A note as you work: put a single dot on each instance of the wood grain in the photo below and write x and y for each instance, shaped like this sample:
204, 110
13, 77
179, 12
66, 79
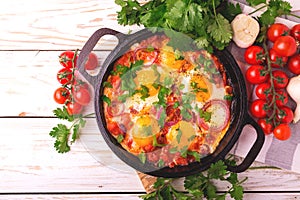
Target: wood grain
32, 35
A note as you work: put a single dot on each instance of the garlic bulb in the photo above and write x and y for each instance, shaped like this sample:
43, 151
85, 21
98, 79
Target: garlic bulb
294, 92
245, 30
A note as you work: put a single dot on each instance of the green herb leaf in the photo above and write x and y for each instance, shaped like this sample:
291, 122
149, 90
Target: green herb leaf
142, 157
220, 30
106, 100
61, 133
256, 2
63, 114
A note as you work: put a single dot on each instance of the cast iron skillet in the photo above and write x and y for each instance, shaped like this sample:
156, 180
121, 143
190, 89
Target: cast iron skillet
239, 109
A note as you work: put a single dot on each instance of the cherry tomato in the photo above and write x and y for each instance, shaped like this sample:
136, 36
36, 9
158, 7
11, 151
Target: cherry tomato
253, 55
266, 126
115, 109
79, 84
295, 32
277, 60
285, 114
115, 81
282, 132
125, 60
285, 46
276, 30
114, 128
61, 95
148, 55
74, 108
82, 96
64, 76
280, 79
92, 62
255, 74
257, 108
263, 90
281, 97
294, 64
65, 59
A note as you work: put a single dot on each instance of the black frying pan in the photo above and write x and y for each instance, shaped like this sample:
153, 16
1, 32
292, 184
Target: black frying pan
239, 109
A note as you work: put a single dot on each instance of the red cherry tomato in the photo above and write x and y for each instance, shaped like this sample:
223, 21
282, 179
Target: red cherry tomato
82, 96
285, 114
282, 132
294, 64
280, 79
263, 90
92, 62
285, 46
281, 97
148, 55
114, 128
115, 81
277, 60
276, 30
74, 108
125, 60
61, 95
266, 126
258, 108
253, 55
79, 84
295, 32
64, 76
256, 74
65, 59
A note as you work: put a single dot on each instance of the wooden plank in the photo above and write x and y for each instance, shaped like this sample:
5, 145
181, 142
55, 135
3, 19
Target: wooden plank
28, 80
29, 163
256, 196
55, 24
72, 196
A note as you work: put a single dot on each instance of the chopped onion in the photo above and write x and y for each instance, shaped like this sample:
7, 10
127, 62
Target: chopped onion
148, 56
222, 105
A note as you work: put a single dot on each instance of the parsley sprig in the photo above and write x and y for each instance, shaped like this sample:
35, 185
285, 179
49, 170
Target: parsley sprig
203, 21
67, 135
201, 185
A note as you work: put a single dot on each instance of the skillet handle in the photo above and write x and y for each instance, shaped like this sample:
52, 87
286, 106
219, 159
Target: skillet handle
89, 46
255, 149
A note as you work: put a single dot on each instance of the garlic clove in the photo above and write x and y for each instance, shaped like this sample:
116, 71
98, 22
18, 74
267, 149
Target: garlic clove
245, 30
294, 92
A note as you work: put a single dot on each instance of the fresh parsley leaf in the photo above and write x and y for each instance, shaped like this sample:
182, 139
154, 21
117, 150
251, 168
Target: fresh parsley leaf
178, 136
120, 138
230, 10
220, 30
142, 157
255, 2
106, 100
62, 113
64, 135
201, 185
200, 20
107, 84
144, 91
61, 133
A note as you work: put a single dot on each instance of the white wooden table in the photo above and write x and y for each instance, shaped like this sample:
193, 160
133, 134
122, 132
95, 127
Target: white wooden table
32, 35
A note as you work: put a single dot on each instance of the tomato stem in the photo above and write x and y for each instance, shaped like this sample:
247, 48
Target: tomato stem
272, 106
258, 9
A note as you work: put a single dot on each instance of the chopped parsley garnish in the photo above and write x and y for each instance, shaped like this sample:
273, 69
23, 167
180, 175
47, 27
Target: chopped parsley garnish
144, 91
196, 88
106, 100
178, 136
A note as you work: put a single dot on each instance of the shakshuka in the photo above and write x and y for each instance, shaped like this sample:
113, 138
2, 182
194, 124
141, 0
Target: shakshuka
166, 106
